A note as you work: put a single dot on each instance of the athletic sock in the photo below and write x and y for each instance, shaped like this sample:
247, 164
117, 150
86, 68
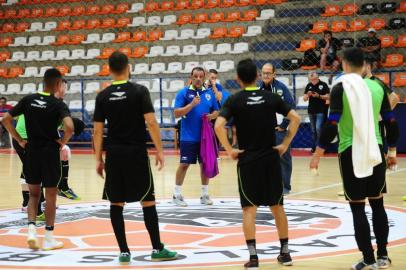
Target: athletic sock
117, 221
151, 222
284, 246
380, 225
362, 232
63, 184
252, 249
178, 190
205, 190
26, 197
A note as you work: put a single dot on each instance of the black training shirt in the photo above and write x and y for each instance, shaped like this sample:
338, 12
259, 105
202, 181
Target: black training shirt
316, 105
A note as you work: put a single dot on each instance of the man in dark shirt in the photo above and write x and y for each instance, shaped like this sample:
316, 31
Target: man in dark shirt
4, 107
127, 107
43, 114
371, 46
259, 171
317, 93
328, 47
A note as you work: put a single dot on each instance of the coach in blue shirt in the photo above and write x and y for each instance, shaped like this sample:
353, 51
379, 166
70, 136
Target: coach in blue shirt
191, 103
269, 83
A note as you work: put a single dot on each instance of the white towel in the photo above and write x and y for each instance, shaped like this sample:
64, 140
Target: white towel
365, 150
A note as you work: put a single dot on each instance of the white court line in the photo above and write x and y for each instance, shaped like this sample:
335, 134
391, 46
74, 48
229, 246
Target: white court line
336, 184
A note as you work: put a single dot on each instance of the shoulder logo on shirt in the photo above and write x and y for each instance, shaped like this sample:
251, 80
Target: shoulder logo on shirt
208, 97
279, 92
191, 96
320, 86
255, 100
39, 104
118, 96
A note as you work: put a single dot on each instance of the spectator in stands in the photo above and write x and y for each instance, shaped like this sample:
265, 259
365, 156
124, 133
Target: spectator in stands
371, 45
269, 83
4, 107
191, 103
317, 93
328, 47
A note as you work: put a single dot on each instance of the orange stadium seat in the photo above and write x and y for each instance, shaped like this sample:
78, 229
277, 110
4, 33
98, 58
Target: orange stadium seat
349, 9
386, 41
249, 15
184, 19
4, 42
200, 18
197, 4
150, 7
7, 28
93, 23
14, 72
10, 14
219, 32
182, 5
106, 9
402, 7
154, 35
377, 23
401, 42
232, 16
276, 1
243, 3
357, 25
306, 44
138, 36
330, 11
37, 12
105, 71
92, 10
122, 37
3, 72
51, 12
393, 60
339, 26
78, 24
107, 23
24, 13
1, 14
122, 22
212, 3
76, 39
63, 69
106, 52
260, 2
227, 3
21, 27
216, 17
126, 51
400, 79
139, 52
308, 67
4, 56
65, 11
167, 5
61, 40
383, 77
63, 25
236, 31
319, 27
78, 10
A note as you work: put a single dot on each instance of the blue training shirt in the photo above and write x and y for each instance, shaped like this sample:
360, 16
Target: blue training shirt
191, 123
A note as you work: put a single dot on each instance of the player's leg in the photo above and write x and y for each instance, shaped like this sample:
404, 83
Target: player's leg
188, 155
63, 186
204, 197
35, 191
249, 216
281, 222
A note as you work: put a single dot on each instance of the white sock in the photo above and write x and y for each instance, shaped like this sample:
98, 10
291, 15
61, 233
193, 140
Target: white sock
205, 190
49, 234
178, 190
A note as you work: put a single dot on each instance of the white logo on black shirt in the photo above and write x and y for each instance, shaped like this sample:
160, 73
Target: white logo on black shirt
255, 100
39, 104
118, 96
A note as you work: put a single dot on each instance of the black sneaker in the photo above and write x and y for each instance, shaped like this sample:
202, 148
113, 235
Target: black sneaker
363, 266
252, 264
285, 259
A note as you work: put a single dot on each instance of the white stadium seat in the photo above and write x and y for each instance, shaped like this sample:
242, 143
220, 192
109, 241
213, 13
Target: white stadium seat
186, 34
240, 47
170, 35
226, 65
107, 37
91, 70
253, 30
29, 88
136, 7
33, 41
175, 85
31, 56
75, 104
77, 54
49, 26
61, 55
168, 19
153, 21
92, 53
76, 70
209, 65
29, 72
202, 33
19, 41
35, 26
157, 68
90, 105
155, 51
16, 56
223, 48
75, 87
137, 21
48, 40
266, 14
92, 87
189, 66
47, 55
174, 67
205, 49
141, 68
188, 50
172, 50
13, 88
155, 88
92, 38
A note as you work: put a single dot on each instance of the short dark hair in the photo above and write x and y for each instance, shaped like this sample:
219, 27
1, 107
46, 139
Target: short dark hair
354, 56
212, 70
118, 62
51, 77
4, 98
64, 80
325, 32
369, 61
198, 69
247, 71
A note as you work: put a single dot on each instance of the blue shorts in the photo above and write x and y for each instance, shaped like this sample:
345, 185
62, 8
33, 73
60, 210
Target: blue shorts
189, 152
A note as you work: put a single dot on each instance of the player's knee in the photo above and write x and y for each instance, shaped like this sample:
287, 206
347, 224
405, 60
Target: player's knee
184, 166
117, 204
147, 203
376, 198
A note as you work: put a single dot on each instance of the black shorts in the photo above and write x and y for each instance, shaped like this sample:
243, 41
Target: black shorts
361, 188
42, 165
128, 175
260, 182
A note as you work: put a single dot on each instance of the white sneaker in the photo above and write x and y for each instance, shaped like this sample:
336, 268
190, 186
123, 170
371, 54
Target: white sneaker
383, 262
205, 199
50, 243
179, 201
32, 239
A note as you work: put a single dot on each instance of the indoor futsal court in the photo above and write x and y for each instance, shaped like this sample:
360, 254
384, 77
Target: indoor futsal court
297, 50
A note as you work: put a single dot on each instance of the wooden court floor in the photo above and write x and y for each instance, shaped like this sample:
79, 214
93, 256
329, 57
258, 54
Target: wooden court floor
88, 185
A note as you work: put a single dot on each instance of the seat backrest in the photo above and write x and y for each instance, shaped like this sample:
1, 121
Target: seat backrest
29, 88
182, 4
331, 9
237, 30
203, 32
47, 54
227, 64
62, 54
92, 86
126, 51
18, 55
20, 40
154, 20
158, 67
122, 22
51, 12
142, 67
108, 51
93, 52
93, 37
145, 83
206, 48
190, 49
33, 55
377, 23
31, 71
93, 69
34, 40
156, 50
107, 9
65, 11
220, 31
350, 8
75, 87
77, 69
223, 47
93, 23
176, 85
78, 10
63, 69
48, 39
209, 65
394, 58
169, 19
254, 29
36, 26
386, 41
171, 33
173, 49
190, 65
185, 18
155, 35
92, 9
175, 66
187, 33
